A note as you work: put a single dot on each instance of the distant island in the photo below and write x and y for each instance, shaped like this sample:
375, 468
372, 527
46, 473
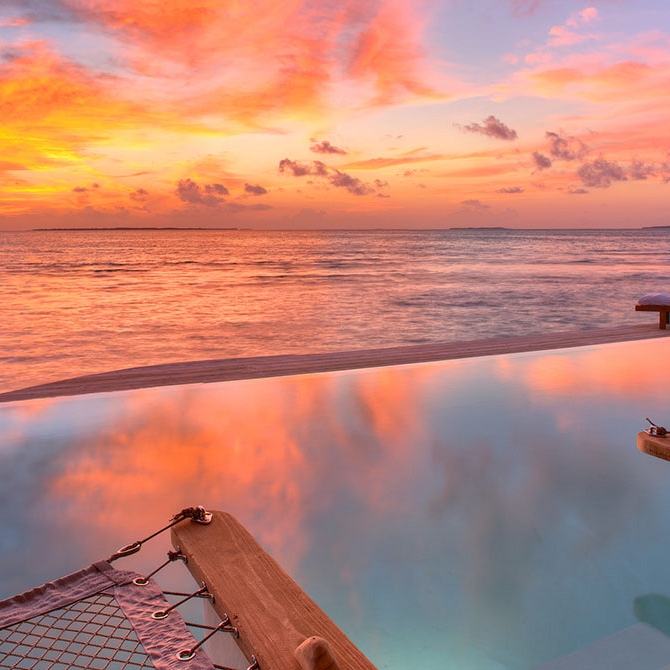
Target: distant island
102, 228
478, 228
653, 227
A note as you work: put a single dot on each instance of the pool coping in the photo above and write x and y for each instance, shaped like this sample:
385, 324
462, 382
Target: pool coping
231, 369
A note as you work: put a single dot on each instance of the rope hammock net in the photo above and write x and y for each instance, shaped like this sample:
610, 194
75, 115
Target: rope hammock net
105, 619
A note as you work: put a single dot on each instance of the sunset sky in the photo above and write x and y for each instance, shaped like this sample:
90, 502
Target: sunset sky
322, 114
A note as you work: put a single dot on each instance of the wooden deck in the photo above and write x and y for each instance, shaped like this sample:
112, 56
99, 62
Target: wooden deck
231, 369
273, 615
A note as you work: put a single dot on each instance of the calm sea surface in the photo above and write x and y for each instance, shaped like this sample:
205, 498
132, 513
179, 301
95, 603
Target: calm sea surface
78, 302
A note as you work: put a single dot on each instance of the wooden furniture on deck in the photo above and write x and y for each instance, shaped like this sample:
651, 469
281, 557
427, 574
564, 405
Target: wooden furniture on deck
663, 313
654, 445
278, 623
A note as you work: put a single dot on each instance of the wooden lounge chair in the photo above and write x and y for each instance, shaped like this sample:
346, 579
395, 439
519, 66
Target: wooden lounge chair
656, 302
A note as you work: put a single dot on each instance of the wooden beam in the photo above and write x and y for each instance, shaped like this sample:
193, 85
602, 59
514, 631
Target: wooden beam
654, 445
273, 614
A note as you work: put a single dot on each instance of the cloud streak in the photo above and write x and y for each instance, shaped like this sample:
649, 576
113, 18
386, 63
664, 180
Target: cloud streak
541, 161
600, 173
565, 148
280, 55
298, 169
255, 189
492, 128
325, 147
352, 184
209, 195
335, 178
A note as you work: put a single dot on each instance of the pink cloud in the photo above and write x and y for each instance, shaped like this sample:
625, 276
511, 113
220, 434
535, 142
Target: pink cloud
587, 15
563, 36
510, 58
492, 128
526, 7
567, 34
14, 22
277, 56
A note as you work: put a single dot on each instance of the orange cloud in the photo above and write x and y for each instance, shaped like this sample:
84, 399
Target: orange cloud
55, 115
589, 79
488, 170
51, 109
387, 52
37, 83
268, 56
380, 163
14, 22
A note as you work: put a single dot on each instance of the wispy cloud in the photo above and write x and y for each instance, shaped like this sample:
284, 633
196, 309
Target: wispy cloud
298, 169
334, 177
492, 128
541, 161
569, 34
526, 7
280, 55
475, 204
236, 207
139, 195
600, 173
638, 171
14, 22
388, 54
391, 161
325, 147
352, 184
192, 193
565, 148
255, 189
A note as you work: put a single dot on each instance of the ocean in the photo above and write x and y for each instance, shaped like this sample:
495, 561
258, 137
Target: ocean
86, 301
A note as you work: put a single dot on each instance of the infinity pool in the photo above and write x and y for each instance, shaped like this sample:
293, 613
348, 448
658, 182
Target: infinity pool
488, 513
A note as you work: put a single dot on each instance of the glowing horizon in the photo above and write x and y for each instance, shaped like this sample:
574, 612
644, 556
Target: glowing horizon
514, 113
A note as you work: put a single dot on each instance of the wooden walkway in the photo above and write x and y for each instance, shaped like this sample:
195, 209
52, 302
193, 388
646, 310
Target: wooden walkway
199, 372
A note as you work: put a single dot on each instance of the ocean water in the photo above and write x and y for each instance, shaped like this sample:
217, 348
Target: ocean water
79, 302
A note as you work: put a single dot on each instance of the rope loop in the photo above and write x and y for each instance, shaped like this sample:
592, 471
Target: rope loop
172, 556
202, 592
225, 626
198, 514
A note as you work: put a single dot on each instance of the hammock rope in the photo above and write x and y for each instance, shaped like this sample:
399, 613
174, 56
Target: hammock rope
103, 618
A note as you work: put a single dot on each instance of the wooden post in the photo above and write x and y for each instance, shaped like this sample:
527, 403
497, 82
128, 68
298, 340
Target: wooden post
273, 614
315, 654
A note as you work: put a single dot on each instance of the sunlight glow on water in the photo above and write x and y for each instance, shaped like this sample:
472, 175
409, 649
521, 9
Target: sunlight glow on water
465, 515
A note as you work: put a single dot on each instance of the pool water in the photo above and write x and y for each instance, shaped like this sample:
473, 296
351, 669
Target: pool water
488, 513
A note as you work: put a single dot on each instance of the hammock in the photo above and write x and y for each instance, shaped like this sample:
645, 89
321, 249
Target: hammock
102, 618
98, 617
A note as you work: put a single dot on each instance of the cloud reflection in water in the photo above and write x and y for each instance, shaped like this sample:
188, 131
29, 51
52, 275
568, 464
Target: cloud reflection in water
493, 512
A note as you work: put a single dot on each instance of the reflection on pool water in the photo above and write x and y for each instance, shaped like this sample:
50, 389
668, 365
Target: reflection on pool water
474, 514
